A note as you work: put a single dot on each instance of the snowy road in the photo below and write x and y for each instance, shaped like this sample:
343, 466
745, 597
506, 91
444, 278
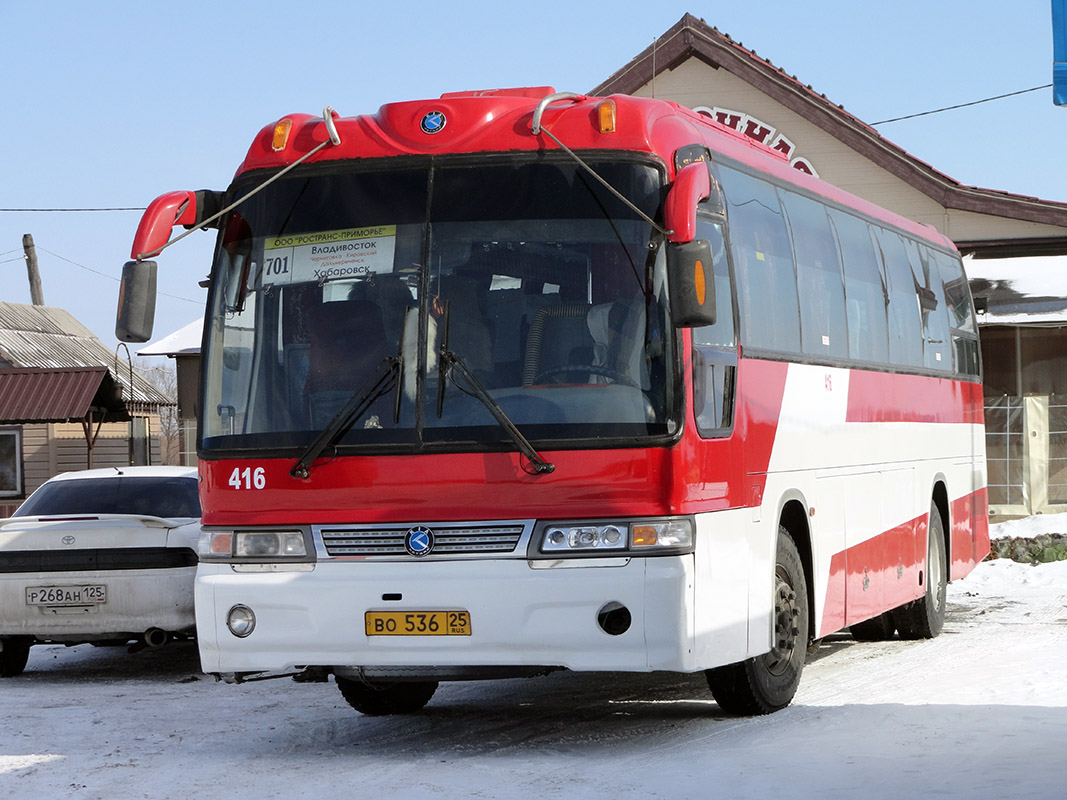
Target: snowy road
980, 712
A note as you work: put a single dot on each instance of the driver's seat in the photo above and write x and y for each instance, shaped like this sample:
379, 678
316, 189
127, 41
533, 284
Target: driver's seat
558, 337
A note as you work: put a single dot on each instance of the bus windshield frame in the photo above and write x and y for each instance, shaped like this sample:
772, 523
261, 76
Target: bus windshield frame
351, 279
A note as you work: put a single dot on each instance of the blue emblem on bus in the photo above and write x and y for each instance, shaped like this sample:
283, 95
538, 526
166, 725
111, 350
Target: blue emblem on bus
433, 122
419, 541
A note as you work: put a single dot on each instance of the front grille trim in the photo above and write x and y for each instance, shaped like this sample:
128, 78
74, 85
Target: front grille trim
462, 540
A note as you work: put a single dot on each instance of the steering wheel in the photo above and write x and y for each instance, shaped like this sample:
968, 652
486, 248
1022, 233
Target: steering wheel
589, 369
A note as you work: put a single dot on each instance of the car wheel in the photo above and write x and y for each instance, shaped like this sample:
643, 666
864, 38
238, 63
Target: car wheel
14, 652
384, 698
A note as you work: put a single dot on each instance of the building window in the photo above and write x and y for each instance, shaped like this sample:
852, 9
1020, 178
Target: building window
11, 462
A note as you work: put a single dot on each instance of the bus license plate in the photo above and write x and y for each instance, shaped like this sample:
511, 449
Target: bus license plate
83, 595
418, 623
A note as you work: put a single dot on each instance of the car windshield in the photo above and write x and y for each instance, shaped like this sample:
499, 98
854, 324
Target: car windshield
333, 287
156, 497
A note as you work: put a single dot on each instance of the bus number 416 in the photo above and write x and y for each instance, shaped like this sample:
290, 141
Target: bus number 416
248, 478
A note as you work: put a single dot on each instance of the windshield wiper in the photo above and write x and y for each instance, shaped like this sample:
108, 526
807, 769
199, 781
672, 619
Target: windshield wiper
448, 362
380, 383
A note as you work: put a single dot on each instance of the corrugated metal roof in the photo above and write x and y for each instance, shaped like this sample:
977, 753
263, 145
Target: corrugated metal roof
55, 395
47, 337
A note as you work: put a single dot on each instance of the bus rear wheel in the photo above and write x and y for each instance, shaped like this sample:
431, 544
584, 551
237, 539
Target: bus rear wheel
768, 682
924, 618
379, 699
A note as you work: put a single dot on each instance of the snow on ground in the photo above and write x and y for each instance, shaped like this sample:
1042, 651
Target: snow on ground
979, 712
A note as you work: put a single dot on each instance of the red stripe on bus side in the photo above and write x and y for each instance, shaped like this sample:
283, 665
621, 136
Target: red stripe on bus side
888, 397
883, 572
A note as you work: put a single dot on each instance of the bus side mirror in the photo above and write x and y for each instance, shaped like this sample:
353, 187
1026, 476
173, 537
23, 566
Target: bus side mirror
691, 282
137, 302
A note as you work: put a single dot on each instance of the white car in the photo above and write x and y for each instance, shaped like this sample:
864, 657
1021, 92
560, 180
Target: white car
102, 556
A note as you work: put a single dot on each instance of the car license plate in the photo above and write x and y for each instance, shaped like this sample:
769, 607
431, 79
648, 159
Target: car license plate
418, 623
81, 595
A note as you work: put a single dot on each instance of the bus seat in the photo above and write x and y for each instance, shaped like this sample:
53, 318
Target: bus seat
348, 342
618, 333
559, 336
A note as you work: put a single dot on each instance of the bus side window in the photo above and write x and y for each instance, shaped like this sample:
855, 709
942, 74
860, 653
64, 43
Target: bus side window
931, 291
715, 346
961, 322
819, 282
763, 264
865, 292
905, 324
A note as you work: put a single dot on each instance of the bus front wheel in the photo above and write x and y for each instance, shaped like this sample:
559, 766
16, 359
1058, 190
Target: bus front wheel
768, 682
380, 699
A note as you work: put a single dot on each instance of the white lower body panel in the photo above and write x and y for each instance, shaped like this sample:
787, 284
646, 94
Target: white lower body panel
522, 614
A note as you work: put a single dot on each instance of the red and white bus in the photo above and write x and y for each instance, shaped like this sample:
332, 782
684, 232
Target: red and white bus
512, 381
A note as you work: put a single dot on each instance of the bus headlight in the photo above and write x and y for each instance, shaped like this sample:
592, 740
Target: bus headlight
675, 533
269, 544
630, 537
609, 536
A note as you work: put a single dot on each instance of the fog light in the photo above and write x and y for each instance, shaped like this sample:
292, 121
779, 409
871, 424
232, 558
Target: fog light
241, 621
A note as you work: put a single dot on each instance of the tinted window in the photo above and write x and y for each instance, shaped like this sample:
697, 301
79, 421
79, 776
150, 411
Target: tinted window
937, 352
962, 330
821, 289
865, 296
722, 333
763, 264
715, 346
905, 324
157, 497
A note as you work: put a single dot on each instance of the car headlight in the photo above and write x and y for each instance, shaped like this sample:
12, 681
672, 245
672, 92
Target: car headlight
632, 537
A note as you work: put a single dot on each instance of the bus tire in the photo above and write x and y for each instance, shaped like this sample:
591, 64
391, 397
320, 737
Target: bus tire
14, 653
924, 618
768, 682
876, 629
380, 699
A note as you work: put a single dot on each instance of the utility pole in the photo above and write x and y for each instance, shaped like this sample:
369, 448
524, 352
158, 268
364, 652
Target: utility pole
36, 293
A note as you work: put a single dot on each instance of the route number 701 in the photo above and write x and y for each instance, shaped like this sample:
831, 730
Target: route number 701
248, 478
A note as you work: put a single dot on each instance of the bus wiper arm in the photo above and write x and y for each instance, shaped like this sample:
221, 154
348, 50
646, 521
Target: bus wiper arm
378, 384
451, 362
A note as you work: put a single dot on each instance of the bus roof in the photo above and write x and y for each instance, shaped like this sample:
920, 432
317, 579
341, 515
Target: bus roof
499, 121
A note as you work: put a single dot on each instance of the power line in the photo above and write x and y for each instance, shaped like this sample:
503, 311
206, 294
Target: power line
111, 277
962, 105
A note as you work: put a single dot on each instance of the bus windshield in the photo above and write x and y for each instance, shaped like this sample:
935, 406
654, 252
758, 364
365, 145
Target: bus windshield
343, 288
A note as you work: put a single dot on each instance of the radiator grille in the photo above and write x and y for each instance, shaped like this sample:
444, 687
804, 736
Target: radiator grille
457, 540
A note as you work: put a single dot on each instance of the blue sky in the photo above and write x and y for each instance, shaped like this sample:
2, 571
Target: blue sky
110, 104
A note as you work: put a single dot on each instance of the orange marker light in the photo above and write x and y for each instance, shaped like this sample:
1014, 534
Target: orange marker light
606, 116
698, 282
281, 134
644, 536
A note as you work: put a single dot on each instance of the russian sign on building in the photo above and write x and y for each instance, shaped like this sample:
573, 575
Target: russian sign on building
761, 132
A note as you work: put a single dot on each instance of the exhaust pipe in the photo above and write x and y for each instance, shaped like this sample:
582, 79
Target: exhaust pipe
156, 637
